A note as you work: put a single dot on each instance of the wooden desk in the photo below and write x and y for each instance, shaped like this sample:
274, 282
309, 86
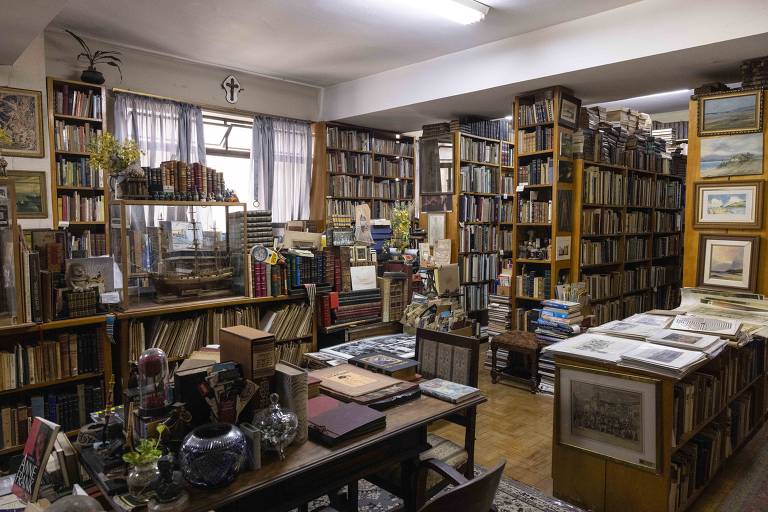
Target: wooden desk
311, 470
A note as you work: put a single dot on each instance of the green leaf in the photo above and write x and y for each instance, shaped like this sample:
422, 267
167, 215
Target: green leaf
81, 41
114, 64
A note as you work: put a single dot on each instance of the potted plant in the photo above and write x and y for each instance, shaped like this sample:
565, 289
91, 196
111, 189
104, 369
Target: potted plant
4, 140
143, 460
108, 57
119, 161
401, 227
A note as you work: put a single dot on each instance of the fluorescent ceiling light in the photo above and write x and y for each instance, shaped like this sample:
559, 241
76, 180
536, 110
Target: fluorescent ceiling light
508, 118
464, 12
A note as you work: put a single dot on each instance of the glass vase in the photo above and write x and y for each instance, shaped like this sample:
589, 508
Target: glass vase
140, 478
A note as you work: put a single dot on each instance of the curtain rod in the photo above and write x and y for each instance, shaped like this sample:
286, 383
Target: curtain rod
231, 110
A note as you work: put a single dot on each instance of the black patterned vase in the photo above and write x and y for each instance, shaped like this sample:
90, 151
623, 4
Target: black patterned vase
212, 454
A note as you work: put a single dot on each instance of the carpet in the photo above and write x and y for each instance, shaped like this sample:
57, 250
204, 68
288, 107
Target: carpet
747, 476
512, 496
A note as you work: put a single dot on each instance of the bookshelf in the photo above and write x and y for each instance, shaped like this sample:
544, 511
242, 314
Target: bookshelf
717, 425
354, 165
77, 113
544, 189
628, 239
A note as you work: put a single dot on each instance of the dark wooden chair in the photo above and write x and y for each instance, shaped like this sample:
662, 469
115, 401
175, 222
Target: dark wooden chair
521, 345
455, 358
467, 495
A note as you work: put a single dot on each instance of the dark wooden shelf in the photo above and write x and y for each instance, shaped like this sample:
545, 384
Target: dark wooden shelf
51, 383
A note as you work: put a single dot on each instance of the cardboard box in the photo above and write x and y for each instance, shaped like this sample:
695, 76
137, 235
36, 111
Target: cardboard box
252, 348
505, 291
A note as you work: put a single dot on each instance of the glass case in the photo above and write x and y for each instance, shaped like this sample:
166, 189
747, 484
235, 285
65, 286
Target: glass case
10, 297
177, 251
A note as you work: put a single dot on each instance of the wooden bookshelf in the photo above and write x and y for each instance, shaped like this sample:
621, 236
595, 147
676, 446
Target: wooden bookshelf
548, 187
611, 485
356, 156
59, 154
662, 273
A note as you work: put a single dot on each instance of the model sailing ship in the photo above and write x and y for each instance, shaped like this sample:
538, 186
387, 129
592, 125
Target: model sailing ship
185, 269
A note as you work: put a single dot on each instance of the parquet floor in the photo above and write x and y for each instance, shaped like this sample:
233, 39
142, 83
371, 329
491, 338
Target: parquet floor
517, 426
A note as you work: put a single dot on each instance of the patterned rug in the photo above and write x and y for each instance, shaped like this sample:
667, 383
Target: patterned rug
748, 474
512, 496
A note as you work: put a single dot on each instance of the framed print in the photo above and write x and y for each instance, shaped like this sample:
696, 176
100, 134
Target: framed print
729, 204
569, 111
31, 195
21, 117
728, 262
731, 155
435, 228
610, 414
436, 203
731, 113
563, 248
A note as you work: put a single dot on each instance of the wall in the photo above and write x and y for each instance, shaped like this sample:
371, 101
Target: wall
186, 81
28, 72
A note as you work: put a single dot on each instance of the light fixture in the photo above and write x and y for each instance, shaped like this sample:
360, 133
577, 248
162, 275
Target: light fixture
464, 12
508, 118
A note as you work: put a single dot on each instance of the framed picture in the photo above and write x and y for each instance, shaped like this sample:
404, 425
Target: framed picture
731, 113
435, 228
727, 261
563, 248
729, 204
31, 195
733, 155
569, 111
610, 414
436, 203
21, 117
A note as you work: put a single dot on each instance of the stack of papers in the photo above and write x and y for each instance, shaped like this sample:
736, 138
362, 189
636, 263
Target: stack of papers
710, 345
596, 347
625, 329
707, 325
669, 361
660, 321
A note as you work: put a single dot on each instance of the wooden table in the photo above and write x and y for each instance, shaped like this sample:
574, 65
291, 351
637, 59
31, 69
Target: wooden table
311, 470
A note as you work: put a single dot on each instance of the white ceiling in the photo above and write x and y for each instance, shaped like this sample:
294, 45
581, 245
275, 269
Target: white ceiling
22, 21
318, 42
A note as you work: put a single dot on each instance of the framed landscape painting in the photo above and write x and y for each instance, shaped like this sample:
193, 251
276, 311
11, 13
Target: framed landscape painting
569, 111
733, 155
21, 117
610, 414
31, 195
731, 113
729, 204
728, 262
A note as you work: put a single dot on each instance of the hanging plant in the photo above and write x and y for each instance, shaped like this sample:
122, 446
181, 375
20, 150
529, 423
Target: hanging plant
108, 57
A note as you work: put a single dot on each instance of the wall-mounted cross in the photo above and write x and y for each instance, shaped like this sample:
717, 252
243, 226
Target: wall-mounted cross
231, 88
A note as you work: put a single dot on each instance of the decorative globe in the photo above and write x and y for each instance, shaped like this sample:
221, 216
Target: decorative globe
212, 455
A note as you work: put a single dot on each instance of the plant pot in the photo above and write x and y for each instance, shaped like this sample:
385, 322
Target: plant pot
92, 76
141, 477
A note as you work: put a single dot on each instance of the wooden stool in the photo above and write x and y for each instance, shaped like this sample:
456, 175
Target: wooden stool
518, 342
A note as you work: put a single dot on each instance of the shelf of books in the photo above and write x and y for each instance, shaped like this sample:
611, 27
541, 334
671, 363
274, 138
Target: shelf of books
628, 239
540, 255
355, 165
77, 115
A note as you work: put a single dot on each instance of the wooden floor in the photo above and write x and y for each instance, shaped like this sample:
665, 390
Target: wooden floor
517, 426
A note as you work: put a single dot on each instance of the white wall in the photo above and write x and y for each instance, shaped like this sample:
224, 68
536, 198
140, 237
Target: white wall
28, 72
186, 81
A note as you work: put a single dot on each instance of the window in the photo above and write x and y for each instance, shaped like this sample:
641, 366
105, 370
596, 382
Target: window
228, 140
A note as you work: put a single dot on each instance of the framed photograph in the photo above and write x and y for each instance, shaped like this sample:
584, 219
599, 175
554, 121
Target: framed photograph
729, 204
435, 228
21, 116
732, 155
610, 414
436, 203
728, 262
569, 111
31, 194
563, 248
731, 113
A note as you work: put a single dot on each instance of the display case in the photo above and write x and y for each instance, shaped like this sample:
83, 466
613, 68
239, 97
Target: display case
177, 251
10, 265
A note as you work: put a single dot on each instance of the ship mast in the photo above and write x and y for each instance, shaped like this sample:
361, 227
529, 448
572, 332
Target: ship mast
195, 241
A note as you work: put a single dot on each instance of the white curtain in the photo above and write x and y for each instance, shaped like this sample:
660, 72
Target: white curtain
281, 160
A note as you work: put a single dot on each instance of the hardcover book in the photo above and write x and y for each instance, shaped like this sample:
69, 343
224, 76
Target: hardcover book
37, 449
387, 364
351, 381
448, 391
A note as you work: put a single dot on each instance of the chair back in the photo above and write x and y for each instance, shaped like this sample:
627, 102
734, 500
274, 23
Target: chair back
474, 496
448, 356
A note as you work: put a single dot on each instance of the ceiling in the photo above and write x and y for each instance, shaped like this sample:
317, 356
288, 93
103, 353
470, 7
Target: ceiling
21, 24
317, 42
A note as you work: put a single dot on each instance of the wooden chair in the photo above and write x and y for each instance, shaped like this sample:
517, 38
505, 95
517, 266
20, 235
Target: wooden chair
455, 358
523, 345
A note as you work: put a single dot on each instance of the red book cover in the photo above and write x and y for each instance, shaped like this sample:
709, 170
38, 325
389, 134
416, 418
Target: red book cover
37, 449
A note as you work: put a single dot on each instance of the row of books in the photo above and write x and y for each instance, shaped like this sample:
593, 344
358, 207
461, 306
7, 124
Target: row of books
86, 244
639, 191
350, 186
604, 187
392, 147
540, 111
538, 171
289, 322
474, 238
669, 193
252, 227
474, 297
478, 267
535, 284
479, 151
292, 351
664, 246
400, 168
667, 297
77, 208
599, 252
386, 209
637, 248
478, 209
667, 221
74, 102
69, 408
508, 185
473, 178
184, 182
74, 137
538, 139
47, 361
534, 211
600, 221
507, 212
500, 311
77, 173
341, 162
342, 307
341, 138
492, 129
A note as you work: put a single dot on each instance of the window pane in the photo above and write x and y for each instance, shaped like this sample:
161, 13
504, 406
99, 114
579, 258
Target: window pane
213, 135
236, 175
240, 138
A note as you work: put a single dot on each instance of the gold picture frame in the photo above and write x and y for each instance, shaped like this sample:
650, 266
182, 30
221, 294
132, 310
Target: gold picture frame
31, 194
730, 113
645, 451
21, 116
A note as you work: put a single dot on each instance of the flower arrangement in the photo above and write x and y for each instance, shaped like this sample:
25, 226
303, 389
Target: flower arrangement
112, 156
401, 227
147, 451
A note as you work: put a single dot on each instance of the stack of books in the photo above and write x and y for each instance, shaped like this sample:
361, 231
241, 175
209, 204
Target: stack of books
500, 309
558, 320
257, 226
